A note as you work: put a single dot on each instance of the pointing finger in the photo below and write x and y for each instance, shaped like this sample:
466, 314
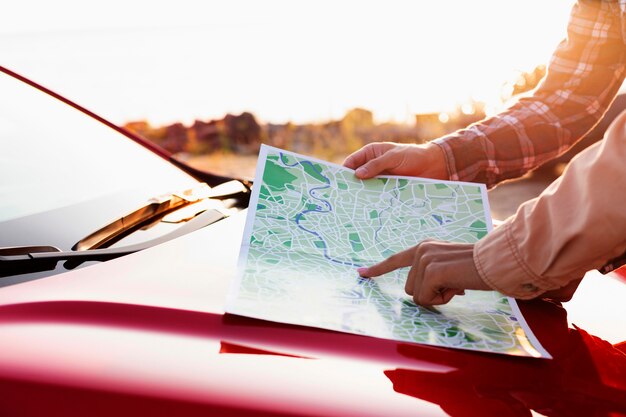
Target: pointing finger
399, 260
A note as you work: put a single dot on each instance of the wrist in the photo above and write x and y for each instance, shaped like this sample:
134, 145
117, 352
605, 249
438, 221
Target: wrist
437, 162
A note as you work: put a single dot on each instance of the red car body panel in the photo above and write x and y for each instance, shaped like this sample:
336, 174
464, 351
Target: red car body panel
146, 335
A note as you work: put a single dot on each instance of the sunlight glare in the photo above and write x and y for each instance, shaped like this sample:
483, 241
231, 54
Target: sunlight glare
281, 60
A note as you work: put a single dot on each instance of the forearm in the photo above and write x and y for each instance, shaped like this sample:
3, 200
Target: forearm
583, 78
576, 225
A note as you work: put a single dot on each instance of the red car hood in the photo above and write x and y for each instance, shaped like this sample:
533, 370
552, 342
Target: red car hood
146, 334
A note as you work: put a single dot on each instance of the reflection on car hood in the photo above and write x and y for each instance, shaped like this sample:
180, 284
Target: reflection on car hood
147, 331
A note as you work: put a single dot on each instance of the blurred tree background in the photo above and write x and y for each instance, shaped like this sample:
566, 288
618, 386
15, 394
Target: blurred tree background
222, 144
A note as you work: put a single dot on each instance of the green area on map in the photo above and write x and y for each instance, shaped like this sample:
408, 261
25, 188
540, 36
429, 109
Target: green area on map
314, 223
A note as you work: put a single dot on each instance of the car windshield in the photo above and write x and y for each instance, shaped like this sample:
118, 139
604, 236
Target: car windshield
54, 156
65, 175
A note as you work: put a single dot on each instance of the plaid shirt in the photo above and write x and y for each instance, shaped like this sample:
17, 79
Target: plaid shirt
583, 77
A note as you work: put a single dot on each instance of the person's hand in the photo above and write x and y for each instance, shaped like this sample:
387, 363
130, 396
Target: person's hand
388, 158
439, 271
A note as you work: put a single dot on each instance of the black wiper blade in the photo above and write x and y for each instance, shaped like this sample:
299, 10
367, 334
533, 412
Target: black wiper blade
24, 259
21, 262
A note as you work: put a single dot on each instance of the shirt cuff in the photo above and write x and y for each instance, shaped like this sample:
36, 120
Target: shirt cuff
453, 175
500, 266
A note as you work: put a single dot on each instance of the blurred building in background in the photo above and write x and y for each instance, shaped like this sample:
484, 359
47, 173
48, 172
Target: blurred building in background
243, 134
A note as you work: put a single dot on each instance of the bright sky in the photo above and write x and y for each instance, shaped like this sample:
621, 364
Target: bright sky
280, 59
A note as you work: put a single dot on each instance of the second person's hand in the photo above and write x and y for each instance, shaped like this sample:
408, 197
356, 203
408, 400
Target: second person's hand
439, 271
388, 158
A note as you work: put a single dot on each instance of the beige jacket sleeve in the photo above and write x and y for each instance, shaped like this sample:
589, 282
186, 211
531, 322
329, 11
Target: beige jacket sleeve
577, 224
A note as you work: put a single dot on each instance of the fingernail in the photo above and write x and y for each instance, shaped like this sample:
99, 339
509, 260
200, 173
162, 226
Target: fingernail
360, 172
362, 270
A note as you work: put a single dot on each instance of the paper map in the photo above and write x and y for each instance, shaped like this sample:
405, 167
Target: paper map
311, 223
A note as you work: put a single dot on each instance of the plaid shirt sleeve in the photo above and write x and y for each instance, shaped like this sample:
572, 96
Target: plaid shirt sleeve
583, 77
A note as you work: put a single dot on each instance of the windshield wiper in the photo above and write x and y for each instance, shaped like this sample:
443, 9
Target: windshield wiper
23, 259
154, 209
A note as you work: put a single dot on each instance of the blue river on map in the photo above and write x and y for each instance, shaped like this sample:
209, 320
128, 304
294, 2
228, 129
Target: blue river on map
324, 207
